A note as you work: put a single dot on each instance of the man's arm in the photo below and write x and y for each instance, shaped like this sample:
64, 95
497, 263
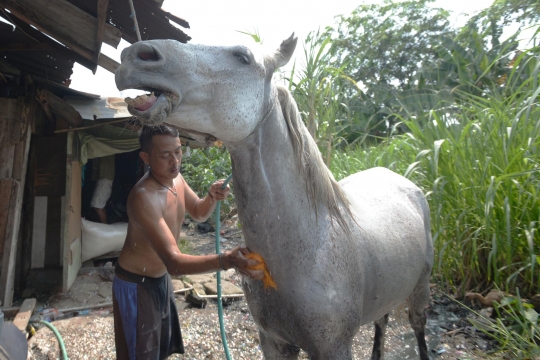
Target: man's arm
201, 209
147, 217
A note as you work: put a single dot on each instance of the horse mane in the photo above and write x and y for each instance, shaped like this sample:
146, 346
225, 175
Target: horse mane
320, 184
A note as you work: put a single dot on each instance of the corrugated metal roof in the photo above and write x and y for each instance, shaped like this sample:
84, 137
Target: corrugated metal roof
103, 108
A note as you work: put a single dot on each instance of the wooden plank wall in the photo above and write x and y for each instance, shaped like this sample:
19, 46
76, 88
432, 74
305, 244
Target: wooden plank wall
15, 132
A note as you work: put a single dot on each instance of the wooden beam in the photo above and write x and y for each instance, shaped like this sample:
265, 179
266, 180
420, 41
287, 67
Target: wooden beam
52, 25
7, 275
59, 107
107, 63
10, 312
55, 46
102, 7
25, 313
176, 19
91, 126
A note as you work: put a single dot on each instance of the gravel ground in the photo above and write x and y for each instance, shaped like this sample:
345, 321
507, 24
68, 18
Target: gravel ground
92, 337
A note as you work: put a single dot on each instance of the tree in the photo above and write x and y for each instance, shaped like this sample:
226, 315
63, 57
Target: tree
316, 89
478, 60
490, 22
382, 47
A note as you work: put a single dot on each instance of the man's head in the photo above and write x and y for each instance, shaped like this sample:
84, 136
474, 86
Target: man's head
161, 150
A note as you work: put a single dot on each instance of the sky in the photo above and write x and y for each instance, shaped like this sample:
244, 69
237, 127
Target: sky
217, 22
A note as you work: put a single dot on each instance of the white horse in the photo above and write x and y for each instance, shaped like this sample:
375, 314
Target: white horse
342, 254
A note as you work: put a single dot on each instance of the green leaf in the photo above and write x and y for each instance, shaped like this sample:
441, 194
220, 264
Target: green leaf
531, 315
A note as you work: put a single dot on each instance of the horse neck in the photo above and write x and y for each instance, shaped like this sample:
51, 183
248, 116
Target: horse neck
268, 182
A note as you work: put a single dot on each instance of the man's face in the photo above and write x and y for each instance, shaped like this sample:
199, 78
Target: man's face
165, 156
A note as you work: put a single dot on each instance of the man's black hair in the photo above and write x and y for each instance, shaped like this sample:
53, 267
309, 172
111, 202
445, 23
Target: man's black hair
147, 132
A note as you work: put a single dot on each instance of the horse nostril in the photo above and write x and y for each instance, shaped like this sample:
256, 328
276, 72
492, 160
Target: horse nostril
148, 56
147, 53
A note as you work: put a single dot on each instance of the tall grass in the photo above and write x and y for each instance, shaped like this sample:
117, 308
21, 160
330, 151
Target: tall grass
479, 167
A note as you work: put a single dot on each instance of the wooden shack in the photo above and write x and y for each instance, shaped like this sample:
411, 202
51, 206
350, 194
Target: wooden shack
40, 169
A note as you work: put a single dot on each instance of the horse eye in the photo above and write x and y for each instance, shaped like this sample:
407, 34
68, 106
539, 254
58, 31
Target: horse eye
242, 58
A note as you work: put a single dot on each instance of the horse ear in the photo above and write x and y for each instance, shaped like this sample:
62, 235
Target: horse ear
284, 53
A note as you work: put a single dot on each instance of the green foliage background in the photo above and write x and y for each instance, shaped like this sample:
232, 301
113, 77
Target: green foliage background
205, 166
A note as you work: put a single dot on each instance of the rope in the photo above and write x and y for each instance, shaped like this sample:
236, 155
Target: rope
134, 16
218, 277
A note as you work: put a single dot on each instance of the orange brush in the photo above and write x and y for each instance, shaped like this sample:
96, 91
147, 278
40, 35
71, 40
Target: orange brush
267, 279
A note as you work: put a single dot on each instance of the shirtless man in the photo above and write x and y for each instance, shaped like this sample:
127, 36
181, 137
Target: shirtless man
146, 321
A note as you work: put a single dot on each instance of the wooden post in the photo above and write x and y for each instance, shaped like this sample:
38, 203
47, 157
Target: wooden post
10, 246
5, 198
20, 140
71, 233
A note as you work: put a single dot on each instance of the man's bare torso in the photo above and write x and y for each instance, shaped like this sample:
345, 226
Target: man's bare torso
137, 255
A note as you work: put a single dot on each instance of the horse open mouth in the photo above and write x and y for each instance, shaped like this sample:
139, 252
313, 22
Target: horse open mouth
153, 107
144, 102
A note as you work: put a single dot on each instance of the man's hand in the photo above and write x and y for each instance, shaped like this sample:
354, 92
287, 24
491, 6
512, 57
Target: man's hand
217, 193
235, 259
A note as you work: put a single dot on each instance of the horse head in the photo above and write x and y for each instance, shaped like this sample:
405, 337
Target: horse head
223, 91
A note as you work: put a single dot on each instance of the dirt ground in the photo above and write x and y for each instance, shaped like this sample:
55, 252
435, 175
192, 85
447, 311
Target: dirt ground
90, 334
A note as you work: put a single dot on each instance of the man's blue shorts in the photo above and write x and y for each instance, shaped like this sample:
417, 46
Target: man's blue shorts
146, 324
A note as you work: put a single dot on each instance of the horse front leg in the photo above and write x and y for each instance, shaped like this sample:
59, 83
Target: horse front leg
378, 343
277, 350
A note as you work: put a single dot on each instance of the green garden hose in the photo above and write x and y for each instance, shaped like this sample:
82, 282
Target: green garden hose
59, 337
218, 277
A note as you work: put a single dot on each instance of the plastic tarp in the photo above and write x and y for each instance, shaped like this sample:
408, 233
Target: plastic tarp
99, 239
106, 140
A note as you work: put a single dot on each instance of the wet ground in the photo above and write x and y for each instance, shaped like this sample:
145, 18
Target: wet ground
449, 334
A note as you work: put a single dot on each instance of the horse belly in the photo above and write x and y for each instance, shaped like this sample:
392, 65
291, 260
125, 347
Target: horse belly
303, 314
392, 264
395, 248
